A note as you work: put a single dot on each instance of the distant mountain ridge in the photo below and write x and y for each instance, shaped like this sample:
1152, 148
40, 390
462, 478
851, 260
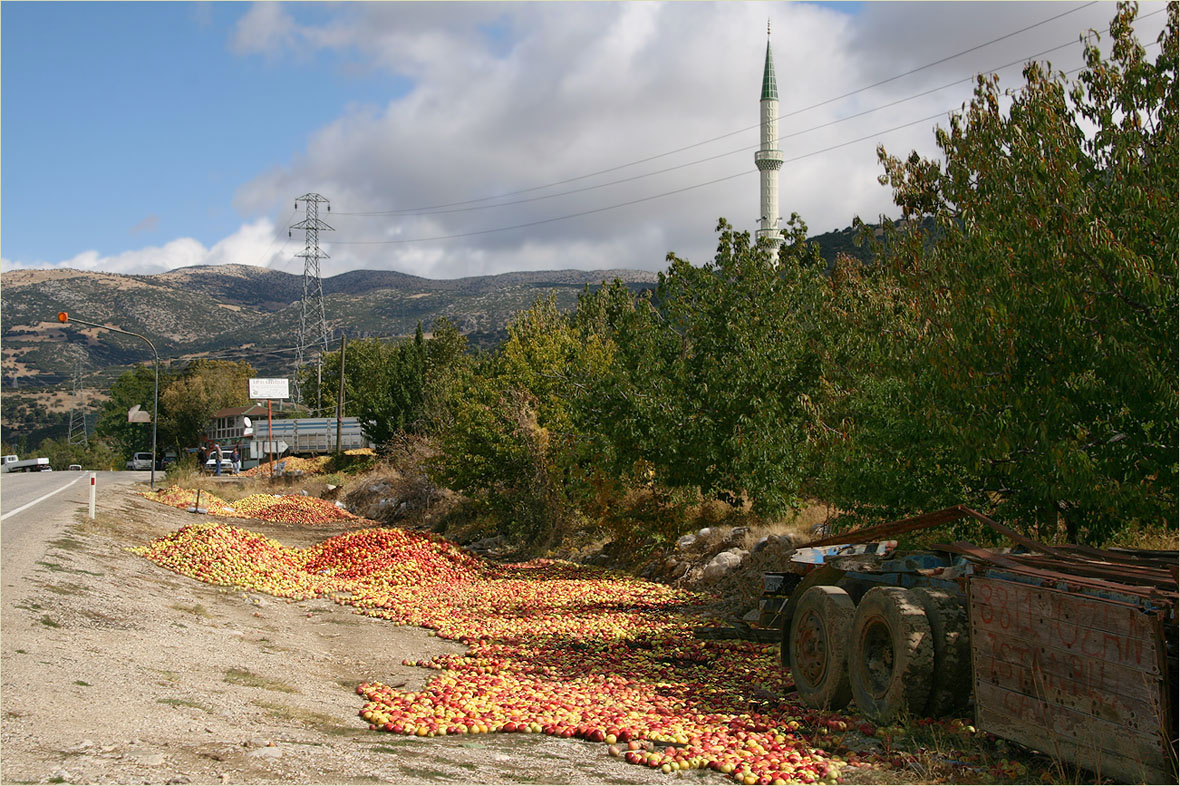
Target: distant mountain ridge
229, 310
251, 313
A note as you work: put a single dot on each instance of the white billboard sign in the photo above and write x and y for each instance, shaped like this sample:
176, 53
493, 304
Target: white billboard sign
263, 388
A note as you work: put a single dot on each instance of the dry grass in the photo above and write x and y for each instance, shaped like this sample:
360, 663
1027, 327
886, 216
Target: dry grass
799, 524
251, 680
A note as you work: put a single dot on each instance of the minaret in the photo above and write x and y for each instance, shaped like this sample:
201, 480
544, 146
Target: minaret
769, 159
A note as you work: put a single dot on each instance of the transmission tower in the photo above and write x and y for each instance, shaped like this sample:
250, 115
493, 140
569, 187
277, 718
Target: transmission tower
313, 324
78, 413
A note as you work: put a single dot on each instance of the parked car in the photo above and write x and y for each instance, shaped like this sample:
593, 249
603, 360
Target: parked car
140, 462
227, 466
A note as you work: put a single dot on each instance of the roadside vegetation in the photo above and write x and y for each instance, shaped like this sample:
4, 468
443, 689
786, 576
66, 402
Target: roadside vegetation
1010, 344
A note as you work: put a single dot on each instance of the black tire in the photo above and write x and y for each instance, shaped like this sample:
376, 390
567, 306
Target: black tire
823, 575
891, 655
950, 687
819, 646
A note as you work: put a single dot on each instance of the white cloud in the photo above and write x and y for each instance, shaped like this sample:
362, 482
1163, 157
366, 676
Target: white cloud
252, 244
507, 98
265, 29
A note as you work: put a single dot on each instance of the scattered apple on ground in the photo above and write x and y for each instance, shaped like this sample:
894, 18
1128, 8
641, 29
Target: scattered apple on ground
553, 648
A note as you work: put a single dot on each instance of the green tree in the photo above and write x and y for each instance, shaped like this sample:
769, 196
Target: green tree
383, 384
187, 404
1048, 297
136, 386
711, 380
512, 440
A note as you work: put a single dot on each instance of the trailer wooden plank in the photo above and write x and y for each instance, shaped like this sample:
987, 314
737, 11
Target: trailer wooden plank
1004, 660
1090, 626
1019, 646
1102, 747
1132, 704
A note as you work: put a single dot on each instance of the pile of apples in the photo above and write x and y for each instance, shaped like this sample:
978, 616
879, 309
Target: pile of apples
288, 508
177, 497
221, 554
308, 466
296, 509
553, 648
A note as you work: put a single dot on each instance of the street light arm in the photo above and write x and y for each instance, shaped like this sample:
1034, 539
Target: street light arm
64, 316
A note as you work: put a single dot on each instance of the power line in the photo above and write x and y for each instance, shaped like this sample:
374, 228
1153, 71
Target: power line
746, 148
635, 201
715, 181
732, 133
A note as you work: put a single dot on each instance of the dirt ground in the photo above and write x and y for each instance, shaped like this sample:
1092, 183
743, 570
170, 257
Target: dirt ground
115, 670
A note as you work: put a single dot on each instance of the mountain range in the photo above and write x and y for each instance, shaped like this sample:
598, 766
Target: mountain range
241, 312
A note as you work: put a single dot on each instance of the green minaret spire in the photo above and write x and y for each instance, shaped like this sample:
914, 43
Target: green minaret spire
769, 88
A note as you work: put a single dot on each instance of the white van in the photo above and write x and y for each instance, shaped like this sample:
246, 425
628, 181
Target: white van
140, 461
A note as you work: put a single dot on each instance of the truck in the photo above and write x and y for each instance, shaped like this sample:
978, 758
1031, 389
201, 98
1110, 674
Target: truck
1068, 650
304, 437
13, 463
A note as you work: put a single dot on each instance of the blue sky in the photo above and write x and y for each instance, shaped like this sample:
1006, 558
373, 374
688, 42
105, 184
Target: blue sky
140, 137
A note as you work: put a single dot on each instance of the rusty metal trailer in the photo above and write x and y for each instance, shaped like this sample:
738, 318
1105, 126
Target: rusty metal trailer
1068, 650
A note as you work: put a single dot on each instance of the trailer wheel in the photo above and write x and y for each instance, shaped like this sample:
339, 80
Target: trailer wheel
891, 656
950, 686
818, 647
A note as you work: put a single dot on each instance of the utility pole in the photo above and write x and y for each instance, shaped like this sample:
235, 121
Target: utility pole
340, 398
319, 384
313, 323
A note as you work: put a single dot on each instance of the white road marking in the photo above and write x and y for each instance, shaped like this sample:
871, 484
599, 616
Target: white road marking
40, 499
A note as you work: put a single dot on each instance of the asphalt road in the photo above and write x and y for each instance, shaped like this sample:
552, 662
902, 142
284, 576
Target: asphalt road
36, 507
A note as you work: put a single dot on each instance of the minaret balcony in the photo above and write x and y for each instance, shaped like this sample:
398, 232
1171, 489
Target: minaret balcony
768, 159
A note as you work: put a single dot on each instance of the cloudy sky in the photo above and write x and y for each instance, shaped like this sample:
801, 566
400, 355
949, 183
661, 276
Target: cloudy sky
455, 139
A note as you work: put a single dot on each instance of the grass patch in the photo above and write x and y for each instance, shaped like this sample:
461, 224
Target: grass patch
59, 568
66, 543
30, 606
386, 749
22, 652
65, 589
251, 680
183, 703
325, 724
195, 609
47, 622
82, 683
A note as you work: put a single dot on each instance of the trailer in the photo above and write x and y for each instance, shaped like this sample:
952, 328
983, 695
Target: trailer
303, 437
1068, 650
12, 463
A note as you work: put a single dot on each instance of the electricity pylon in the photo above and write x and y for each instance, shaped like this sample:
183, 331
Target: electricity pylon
313, 323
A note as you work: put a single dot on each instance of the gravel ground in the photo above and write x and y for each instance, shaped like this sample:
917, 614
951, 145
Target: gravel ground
115, 670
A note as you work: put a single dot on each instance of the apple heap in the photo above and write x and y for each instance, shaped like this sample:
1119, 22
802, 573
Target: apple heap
289, 508
297, 509
553, 648
221, 554
177, 497
308, 466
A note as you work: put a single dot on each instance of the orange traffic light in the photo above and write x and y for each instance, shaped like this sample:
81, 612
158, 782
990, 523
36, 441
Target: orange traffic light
63, 316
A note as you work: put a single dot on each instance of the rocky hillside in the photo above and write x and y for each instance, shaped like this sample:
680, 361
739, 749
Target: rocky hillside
200, 311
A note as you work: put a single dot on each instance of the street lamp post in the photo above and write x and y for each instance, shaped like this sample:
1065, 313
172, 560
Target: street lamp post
63, 316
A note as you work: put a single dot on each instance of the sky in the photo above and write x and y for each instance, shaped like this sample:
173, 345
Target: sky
457, 139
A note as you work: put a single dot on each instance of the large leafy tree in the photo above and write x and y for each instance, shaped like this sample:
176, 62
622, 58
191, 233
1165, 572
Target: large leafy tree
135, 386
712, 378
394, 387
514, 441
187, 404
1045, 303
